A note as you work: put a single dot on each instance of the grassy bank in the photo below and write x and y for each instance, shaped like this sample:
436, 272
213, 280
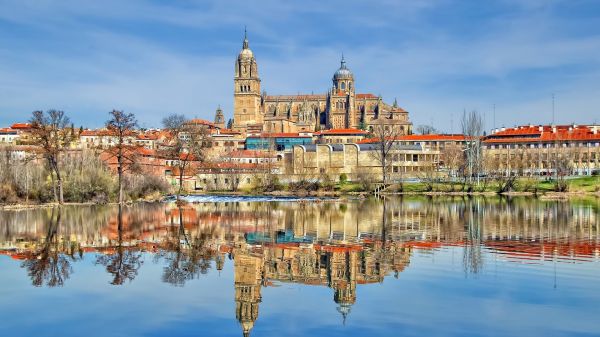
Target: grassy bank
580, 185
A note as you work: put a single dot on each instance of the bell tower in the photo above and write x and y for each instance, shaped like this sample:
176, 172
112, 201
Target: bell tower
246, 89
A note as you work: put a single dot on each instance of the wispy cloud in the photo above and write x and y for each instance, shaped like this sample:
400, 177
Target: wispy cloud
437, 57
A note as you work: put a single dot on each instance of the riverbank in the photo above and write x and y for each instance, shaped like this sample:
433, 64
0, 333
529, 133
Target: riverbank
577, 187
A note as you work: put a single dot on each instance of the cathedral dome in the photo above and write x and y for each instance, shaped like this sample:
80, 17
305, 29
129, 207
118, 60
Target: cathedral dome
343, 72
246, 54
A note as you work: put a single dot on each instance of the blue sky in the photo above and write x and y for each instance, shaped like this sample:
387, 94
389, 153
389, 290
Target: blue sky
437, 58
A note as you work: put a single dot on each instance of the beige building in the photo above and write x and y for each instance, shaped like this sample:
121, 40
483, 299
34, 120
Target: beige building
339, 136
355, 160
544, 149
340, 108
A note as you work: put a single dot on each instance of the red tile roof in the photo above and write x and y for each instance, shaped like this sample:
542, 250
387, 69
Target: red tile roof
338, 132
147, 137
425, 138
200, 122
102, 132
21, 126
543, 133
8, 131
251, 154
229, 131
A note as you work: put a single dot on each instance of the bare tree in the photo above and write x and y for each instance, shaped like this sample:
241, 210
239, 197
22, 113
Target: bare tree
452, 158
121, 125
426, 130
472, 128
51, 132
186, 144
385, 134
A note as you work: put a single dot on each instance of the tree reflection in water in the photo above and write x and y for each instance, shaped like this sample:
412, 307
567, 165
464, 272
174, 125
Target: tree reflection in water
47, 265
125, 262
187, 258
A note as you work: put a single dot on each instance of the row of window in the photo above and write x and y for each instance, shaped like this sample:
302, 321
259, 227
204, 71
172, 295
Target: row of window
543, 145
546, 156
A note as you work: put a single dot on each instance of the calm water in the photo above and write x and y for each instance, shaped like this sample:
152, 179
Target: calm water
232, 267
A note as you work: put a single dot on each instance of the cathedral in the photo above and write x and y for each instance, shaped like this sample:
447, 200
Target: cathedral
340, 108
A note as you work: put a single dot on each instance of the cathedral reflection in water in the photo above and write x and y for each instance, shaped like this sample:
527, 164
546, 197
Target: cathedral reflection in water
339, 245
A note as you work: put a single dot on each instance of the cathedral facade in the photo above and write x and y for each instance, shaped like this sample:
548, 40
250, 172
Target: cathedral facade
340, 108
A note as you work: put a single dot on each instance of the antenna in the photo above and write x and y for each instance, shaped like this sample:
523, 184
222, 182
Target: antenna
552, 108
494, 109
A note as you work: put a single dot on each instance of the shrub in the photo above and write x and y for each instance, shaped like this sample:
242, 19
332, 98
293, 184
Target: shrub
343, 178
561, 185
304, 185
7, 194
139, 186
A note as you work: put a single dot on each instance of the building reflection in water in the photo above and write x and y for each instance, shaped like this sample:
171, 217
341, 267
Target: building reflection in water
340, 245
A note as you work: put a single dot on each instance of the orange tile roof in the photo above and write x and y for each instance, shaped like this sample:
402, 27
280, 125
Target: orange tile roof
21, 126
251, 154
543, 133
200, 121
430, 138
102, 133
8, 131
229, 131
341, 132
147, 137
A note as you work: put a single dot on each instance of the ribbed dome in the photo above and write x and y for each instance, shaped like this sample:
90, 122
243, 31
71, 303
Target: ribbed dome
343, 72
246, 54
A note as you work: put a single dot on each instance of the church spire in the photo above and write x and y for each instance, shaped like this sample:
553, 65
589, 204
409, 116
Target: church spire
245, 45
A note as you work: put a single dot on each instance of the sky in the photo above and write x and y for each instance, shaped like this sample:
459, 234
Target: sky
438, 58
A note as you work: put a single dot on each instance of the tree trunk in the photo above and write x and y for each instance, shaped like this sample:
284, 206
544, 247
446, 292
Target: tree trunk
59, 181
120, 172
61, 199
54, 190
181, 169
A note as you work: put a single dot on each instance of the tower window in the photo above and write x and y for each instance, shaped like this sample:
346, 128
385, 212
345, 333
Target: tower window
343, 85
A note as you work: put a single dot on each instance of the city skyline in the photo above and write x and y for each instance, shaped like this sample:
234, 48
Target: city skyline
443, 57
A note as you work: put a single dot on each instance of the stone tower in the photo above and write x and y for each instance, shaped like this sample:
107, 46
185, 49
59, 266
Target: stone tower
219, 118
343, 79
246, 91
342, 113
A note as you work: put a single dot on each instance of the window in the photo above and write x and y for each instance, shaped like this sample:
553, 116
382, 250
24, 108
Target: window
415, 157
343, 85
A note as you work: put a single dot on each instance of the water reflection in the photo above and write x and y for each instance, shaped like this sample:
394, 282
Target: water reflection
339, 245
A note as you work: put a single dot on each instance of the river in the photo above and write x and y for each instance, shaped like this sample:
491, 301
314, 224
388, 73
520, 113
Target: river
238, 266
